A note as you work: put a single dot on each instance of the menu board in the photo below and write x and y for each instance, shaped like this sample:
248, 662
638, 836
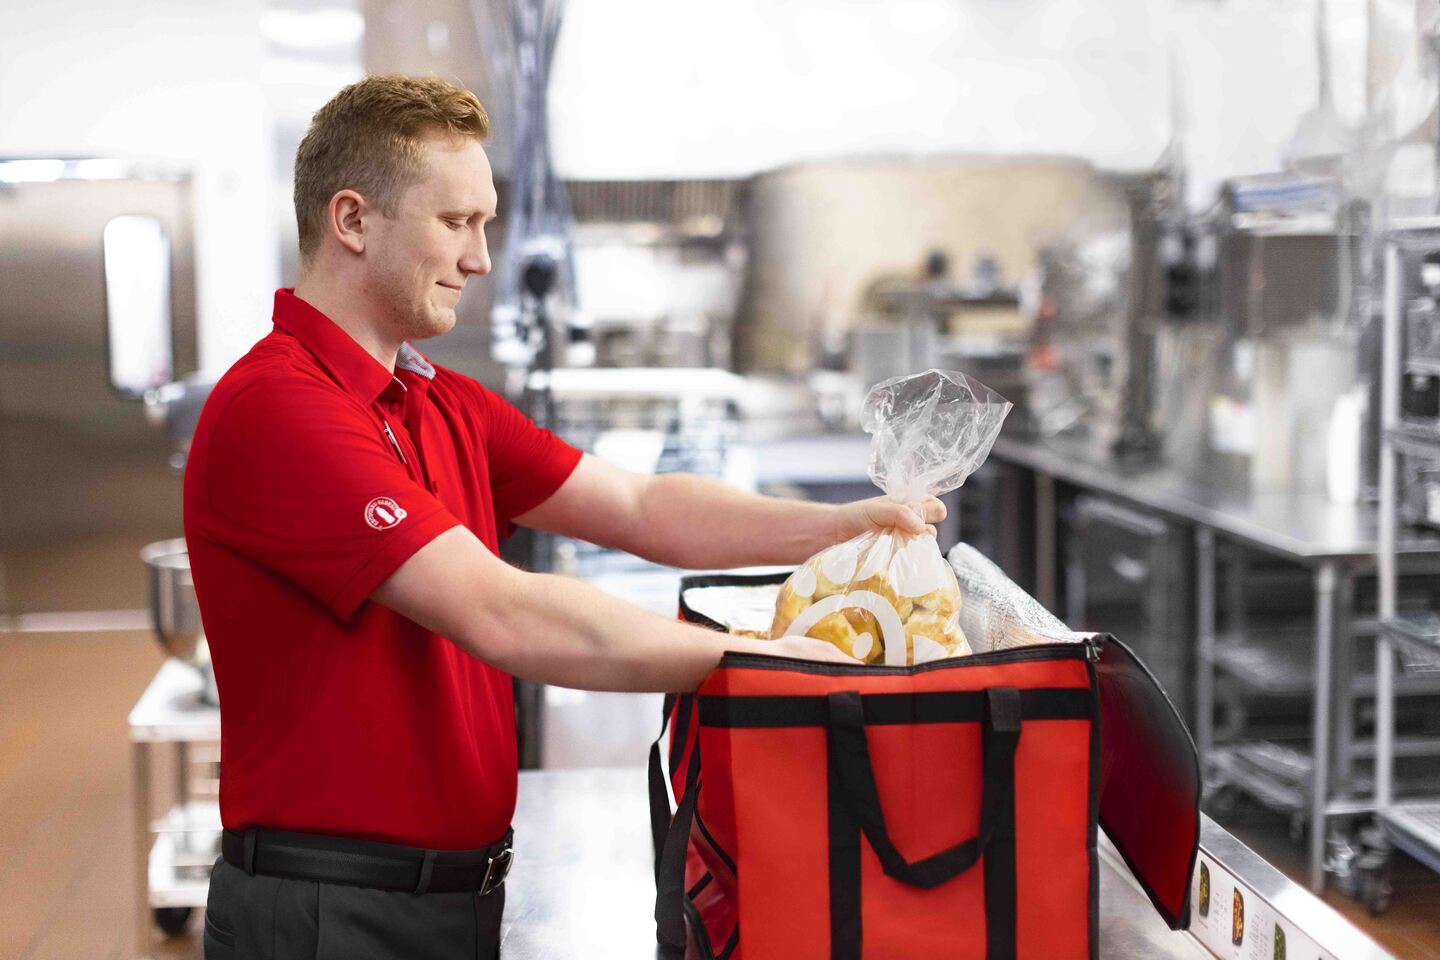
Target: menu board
1233, 922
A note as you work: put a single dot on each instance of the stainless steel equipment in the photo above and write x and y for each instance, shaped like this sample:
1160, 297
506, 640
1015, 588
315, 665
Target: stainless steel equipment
1125, 573
1412, 823
825, 235
1152, 199
98, 307
1284, 303
175, 611
521, 37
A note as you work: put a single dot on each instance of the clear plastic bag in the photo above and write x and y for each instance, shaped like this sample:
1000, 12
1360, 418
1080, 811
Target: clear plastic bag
885, 596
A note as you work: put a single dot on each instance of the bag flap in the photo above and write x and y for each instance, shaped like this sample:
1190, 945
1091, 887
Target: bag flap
1149, 781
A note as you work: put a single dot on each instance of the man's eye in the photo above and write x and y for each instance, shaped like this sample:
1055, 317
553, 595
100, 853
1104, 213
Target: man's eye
454, 224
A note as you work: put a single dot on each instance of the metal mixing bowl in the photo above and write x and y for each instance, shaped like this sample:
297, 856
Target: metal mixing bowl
174, 610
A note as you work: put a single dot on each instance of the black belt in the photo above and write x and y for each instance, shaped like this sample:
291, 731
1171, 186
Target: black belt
367, 863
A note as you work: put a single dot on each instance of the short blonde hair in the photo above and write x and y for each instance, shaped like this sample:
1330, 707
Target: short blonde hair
368, 139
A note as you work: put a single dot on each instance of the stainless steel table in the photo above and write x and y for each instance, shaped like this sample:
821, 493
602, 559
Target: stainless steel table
1336, 542
583, 886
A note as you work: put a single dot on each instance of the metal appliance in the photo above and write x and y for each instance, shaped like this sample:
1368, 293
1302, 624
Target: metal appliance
1419, 274
175, 612
830, 239
98, 307
1287, 325
1126, 574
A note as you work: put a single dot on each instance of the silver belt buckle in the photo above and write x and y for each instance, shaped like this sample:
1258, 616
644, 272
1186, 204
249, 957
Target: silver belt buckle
497, 868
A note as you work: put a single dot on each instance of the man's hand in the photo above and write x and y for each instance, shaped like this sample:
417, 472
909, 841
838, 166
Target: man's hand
806, 648
882, 513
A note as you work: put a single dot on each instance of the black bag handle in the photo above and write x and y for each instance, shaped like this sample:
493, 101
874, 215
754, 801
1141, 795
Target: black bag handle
671, 836
659, 797
850, 753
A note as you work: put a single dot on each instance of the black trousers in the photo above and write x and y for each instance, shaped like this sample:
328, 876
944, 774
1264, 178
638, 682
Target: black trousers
271, 918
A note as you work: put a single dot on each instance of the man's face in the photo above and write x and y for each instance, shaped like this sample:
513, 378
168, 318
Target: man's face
419, 261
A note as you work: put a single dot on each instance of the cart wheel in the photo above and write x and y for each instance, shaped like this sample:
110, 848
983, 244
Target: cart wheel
1376, 894
173, 920
1223, 800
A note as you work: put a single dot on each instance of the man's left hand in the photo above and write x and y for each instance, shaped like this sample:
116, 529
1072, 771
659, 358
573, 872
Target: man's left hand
882, 513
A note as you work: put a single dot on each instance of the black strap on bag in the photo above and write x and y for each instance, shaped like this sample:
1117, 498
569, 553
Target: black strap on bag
659, 797
675, 714
855, 809
670, 862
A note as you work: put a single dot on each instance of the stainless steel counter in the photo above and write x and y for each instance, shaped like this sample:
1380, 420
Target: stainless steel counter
1299, 526
1303, 527
583, 885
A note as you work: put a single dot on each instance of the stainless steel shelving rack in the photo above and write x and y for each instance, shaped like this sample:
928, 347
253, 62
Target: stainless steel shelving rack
1412, 824
174, 853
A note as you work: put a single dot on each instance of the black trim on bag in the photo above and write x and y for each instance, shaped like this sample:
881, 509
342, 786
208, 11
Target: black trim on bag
689, 615
883, 709
710, 839
700, 885
1087, 649
730, 944
1092, 825
697, 927
680, 731
702, 935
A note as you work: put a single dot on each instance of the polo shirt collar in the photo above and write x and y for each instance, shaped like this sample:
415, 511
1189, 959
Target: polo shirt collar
343, 358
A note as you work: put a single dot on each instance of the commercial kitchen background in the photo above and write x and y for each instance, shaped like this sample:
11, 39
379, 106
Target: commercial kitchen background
1160, 228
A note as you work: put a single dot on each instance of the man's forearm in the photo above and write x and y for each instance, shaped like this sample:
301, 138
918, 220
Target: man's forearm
562, 631
698, 523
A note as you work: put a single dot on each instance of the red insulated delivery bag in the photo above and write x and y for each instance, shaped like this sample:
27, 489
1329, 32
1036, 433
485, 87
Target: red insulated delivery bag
947, 809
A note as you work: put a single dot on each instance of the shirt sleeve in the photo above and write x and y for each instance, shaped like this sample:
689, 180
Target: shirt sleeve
527, 463
301, 480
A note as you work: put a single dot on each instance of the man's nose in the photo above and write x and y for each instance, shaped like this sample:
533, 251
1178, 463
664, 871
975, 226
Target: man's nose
476, 261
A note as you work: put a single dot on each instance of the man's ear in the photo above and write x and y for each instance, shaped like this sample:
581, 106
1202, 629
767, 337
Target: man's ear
348, 213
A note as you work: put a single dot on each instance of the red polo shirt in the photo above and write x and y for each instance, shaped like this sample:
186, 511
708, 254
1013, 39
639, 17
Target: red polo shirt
338, 715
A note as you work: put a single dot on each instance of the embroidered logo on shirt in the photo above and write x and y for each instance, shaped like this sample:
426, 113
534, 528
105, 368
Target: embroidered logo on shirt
382, 513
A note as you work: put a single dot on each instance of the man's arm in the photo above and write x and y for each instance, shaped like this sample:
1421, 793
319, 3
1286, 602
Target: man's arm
698, 523
558, 630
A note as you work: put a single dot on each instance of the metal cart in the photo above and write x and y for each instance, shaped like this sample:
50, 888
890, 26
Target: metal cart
174, 853
1413, 824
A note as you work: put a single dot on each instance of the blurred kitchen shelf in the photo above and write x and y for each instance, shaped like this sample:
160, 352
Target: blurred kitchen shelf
1276, 667
1416, 638
1415, 439
1277, 776
187, 841
1415, 828
1303, 225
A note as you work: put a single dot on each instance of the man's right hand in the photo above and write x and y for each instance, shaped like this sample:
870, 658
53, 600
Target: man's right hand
805, 648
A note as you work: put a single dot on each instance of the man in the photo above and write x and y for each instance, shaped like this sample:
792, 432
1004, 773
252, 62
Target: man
343, 506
